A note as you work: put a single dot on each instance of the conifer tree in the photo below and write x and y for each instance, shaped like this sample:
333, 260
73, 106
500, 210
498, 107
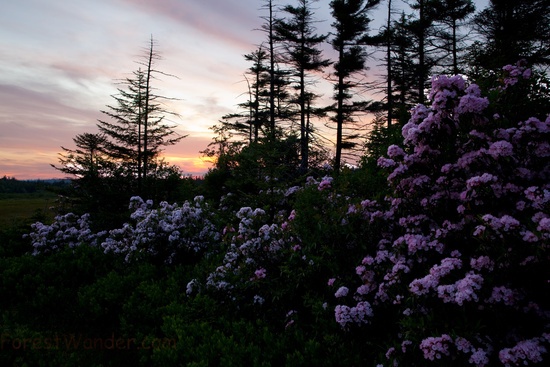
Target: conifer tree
422, 29
302, 53
136, 130
88, 159
251, 121
449, 17
402, 53
351, 24
511, 30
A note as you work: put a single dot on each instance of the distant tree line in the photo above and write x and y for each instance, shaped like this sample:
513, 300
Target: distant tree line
11, 185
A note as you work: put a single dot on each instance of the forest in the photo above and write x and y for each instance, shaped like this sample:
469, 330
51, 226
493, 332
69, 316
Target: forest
421, 237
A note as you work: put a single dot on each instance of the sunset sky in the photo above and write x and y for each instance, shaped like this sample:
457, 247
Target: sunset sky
60, 59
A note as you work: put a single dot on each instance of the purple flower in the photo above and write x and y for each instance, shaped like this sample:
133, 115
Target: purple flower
358, 314
522, 353
479, 358
501, 148
326, 183
395, 151
260, 273
469, 103
436, 347
341, 292
385, 162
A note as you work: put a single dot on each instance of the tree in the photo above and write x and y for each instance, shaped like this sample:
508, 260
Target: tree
449, 17
404, 75
422, 28
252, 119
302, 53
511, 30
88, 159
389, 90
137, 131
397, 43
351, 26
269, 28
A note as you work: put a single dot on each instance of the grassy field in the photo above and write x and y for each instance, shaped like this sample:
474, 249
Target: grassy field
18, 208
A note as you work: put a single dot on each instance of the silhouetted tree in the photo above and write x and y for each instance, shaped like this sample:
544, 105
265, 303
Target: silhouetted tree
449, 17
421, 28
88, 159
511, 30
351, 24
252, 118
137, 131
301, 51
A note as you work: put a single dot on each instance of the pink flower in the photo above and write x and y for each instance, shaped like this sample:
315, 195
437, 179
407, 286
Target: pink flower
292, 215
326, 183
522, 353
260, 273
436, 347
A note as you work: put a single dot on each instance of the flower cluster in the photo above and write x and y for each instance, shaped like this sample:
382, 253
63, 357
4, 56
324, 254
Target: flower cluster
524, 352
358, 314
67, 230
251, 249
167, 232
515, 72
436, 347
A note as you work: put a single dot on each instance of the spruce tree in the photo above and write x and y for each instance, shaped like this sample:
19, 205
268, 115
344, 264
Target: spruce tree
450, 16
351, 25
301, 51
136, 130
511, 30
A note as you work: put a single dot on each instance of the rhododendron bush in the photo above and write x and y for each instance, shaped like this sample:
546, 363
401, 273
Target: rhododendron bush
463, 260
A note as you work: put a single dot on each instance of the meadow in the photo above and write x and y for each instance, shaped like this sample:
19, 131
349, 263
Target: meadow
16, 208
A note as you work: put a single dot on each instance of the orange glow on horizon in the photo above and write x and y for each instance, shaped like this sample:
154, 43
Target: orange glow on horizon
189, 165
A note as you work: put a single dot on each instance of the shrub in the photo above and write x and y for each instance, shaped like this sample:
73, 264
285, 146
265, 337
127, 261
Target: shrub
465, 238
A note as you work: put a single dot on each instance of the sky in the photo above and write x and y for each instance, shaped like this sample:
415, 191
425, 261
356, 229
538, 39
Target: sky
60, 61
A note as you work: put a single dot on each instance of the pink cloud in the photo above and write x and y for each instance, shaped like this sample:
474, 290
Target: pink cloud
227, 20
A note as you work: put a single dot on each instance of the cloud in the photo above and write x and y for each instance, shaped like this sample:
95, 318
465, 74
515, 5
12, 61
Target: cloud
230, 21
62, 66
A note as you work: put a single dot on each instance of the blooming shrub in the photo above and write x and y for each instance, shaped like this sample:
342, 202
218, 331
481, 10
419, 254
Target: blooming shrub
168, 232
67, 230
165, 233
253, 246
465, 239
